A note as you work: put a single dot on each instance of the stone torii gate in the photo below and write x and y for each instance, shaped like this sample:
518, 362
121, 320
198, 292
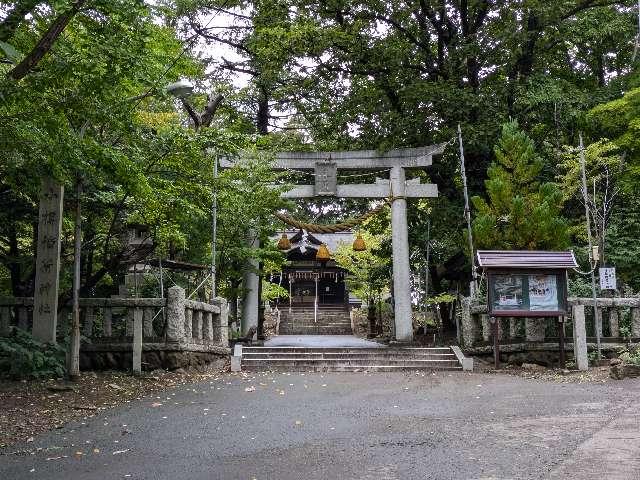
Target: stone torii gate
397, 188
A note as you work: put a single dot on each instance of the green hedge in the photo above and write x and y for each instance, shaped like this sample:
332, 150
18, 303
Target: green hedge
23, 357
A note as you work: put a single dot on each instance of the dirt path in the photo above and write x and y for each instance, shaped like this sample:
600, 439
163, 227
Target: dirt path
28, 408
440, 426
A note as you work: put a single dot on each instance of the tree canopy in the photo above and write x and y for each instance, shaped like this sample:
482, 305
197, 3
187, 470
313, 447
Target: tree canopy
82, 98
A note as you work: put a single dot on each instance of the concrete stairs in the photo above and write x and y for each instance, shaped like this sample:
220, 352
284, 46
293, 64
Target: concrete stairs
307, 359
301, 321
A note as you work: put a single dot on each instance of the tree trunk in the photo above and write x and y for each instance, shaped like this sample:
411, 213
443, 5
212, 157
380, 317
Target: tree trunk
13, 265
233, 302
46, 42
262, 117
260, 332
371, 317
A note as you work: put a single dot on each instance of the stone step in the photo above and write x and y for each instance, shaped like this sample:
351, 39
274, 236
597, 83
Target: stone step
348, 359
343, 313
344, 368
348, 355
267, 362
315, 331
311, 318
312, 323
316, 324
382, 348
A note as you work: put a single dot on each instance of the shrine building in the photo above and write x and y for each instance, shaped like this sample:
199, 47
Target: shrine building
310, 273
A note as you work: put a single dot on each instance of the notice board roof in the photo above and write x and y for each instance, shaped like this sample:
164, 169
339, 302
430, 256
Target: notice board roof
526, 259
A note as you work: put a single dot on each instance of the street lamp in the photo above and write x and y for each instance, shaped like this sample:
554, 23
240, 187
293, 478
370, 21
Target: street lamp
182, 89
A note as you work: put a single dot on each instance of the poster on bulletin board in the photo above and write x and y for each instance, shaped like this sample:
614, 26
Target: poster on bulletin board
518, 294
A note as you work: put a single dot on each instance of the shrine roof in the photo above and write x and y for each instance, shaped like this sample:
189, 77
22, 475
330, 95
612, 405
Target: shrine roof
332, 240
526, 259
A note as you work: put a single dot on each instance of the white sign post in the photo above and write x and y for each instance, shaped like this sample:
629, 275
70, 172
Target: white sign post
608, 278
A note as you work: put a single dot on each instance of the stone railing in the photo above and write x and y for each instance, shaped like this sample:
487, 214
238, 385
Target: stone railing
476, 328
173, 332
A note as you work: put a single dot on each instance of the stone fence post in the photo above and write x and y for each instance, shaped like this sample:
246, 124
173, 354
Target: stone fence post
614, 323
534, 329
635, 322
579, 338
137, 341
469, 333
175, 314
221, 322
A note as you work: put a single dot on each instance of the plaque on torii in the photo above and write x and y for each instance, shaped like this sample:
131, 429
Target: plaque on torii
397, 189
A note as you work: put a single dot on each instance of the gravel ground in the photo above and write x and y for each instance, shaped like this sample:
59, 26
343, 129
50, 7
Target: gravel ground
351, 426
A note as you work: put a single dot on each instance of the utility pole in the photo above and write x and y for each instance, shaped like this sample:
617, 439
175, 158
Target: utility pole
426, 270
592, 261
467, 215
74, 344
214, 227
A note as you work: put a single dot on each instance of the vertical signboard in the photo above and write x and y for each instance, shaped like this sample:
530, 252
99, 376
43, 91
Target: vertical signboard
45, 295
326, 183
608, 278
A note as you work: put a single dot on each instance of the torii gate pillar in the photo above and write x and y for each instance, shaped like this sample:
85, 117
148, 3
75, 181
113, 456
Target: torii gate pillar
400, 249
251, 284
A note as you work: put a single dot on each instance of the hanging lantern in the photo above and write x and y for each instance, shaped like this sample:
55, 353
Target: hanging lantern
284, 243
323, 255
358, 244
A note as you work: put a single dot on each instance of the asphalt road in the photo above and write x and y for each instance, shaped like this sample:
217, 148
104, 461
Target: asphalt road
351, 426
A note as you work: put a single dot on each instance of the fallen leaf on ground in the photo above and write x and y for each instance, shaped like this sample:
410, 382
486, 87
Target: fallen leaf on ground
61, 388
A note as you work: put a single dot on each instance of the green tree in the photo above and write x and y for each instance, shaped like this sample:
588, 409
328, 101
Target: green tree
368, 277
522, 212
94, 108
615, 153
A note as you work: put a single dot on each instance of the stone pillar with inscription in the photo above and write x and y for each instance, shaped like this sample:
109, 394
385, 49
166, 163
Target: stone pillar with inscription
45, 301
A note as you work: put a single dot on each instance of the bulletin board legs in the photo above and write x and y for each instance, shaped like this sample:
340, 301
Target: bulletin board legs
561, 340
496, 343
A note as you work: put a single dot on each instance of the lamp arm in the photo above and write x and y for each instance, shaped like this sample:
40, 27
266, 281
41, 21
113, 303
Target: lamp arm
197, 122
210, 110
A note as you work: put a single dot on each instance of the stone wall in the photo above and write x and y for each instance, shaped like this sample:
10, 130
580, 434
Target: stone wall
111, 358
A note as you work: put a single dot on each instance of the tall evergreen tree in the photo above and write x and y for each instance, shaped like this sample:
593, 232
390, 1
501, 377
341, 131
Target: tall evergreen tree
521, 213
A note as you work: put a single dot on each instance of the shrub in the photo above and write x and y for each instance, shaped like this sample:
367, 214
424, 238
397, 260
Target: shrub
631, 356
23, 357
